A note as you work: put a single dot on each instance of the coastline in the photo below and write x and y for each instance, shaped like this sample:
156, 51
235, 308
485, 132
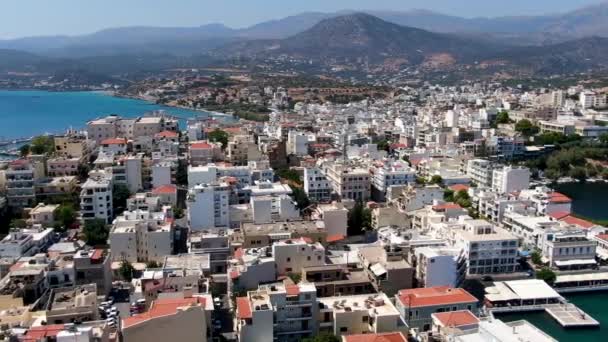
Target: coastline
151, 100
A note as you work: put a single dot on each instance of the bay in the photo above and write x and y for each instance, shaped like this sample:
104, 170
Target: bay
588, 199
29, 113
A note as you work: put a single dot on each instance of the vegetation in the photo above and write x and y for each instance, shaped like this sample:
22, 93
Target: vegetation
295, 277
152, 264
383, 145
436, 179
178, 212
245, 111
24, 150
547, 275
120, 194
126, 270
301, 198
18, 223
291, 175
503, 117
95, 232
536, 258
526, 128
359, 219
65, 216
42, 144
219, 136
448, 195
463, 199
552, 138
322, 337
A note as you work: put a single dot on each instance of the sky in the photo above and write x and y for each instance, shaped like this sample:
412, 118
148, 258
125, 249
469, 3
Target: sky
21, 18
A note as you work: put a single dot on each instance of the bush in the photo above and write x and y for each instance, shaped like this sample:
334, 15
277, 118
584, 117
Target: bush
95, 232
547, 275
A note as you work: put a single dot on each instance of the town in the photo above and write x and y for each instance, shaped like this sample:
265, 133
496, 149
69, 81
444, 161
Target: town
356, 214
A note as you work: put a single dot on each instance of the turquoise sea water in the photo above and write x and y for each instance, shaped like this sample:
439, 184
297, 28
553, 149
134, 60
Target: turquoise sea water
27, 113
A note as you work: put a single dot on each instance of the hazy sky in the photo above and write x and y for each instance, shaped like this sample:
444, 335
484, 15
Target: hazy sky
50, 17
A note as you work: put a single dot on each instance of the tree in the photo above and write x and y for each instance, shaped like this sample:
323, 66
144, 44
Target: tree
178, 212
24, 150
18, 223
65, 216
547, 275
295, 277
42, 144
536, 258
359, 219
604, 138
503, 118
289, 174
436, 179
383, 145
322, 337
462, 198
301, 198
526, 128
95, 232
578, 172
448, 195
126, 270
152, 264
120, 194
219, 136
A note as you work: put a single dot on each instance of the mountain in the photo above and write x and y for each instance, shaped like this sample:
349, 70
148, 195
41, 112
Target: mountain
358, 36
284, 27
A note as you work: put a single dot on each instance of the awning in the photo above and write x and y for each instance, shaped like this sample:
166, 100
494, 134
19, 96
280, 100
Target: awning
378, 269
575, 262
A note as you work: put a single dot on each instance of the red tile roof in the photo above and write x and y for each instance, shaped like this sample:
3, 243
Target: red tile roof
201, 145
459, 187
239, 253
446, 206
456, 318
114, 141
433, 296
43, 331
556, 197
167, 134
292, 290
578, 222
243, 308
335, 238
165, 189
385, 337
161, 308
559, 214
234, 274
603, 237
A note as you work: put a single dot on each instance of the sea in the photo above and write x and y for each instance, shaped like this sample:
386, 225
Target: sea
28, 113
588, 200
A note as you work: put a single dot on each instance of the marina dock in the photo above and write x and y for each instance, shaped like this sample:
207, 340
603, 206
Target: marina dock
570, 316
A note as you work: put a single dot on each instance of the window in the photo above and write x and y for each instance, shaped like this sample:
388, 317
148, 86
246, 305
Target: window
365, 318
343, 329
288, 259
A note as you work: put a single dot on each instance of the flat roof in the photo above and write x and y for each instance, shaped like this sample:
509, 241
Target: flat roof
434, 296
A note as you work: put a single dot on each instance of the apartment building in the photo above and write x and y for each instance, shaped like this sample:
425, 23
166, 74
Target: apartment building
93, 267
69, 147
438, 266
59, 167
142, 236
20, 177
386, 174
316, 185
359, 314
413, 198
488, 249
113, 146
417, 306
546, 201
387, 268
43, 214
334, 216
267, 209
208, 206
510, 179
348, 182
96, 198
293, 255
569, 249
338, 280
181, 319
253, 235
279, 312
481, 172
201, 153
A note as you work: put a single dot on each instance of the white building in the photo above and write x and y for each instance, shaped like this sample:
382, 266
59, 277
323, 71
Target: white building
488, 249
292, 255
96, 198
208, 206
162, 173
316, 185
385, 175
510, 179
481, 172
438, 266
297, 143
133, 172
141, 236
349, 183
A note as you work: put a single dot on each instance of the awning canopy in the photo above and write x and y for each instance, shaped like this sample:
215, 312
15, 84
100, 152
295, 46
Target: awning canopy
575, 262
378, 269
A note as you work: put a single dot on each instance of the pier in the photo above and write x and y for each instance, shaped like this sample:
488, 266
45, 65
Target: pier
570, 316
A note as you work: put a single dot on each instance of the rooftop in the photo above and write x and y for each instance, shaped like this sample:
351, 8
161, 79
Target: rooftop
385, 337
433, 296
